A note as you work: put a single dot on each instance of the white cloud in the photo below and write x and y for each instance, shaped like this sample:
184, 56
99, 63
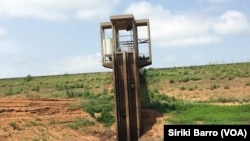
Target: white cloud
77, 64
7, 46
170, 58
20, 66
13, 66
218, 1
187, 28
97, 10
169, 29
3, 32
56, 10
11, 60
189, 41
232, 22
198, 58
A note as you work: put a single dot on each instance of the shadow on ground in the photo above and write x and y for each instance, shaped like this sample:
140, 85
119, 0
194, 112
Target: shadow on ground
149, 114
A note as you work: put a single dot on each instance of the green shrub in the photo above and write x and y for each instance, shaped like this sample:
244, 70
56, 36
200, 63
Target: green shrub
182, 88
74, 93
212, 78
15, 126
159, 102
28, 78
171, 81
61, 87
106, 118
213, 87
11, 91
80, 124
248, 84
231, 77
102, 103
36, 88
193, 113
195, 78
78, 85
226, 87
184, 79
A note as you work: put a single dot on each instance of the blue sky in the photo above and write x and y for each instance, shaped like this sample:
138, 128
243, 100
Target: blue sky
51, 37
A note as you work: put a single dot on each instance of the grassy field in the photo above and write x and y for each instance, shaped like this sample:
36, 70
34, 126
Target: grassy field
209, 94
186, 83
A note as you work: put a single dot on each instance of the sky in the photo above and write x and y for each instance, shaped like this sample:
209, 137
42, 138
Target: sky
54, 37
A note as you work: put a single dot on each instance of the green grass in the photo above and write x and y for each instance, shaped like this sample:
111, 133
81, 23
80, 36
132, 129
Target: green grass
184, 112
91, 89
80, 123
54, 84
47, 86
101, 103
200, 113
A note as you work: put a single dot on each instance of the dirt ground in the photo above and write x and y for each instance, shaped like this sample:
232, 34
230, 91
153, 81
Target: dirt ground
39, 119
235, 91
25, 119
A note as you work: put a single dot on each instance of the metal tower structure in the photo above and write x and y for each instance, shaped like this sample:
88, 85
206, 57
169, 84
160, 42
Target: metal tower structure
126, 48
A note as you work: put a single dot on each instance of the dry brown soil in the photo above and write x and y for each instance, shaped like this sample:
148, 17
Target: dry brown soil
24, 119
235, 91
39, 119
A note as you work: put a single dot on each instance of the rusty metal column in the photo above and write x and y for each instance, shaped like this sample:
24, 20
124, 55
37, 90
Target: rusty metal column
127, 102
126, 92
120, 108
137, 95
125, 62
132, 88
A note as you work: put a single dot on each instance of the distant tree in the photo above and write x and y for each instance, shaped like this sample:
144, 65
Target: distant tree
28, 78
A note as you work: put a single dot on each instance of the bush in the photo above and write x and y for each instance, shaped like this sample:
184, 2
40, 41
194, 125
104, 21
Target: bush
226, 87
213, 87
184, 79
74, 94
195, 78
11, 91
231, 78
182, 88
159, 102
15, 126
80, 123
28, 78
171, 81
248, 84
36, 88
106, 119
101, 103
